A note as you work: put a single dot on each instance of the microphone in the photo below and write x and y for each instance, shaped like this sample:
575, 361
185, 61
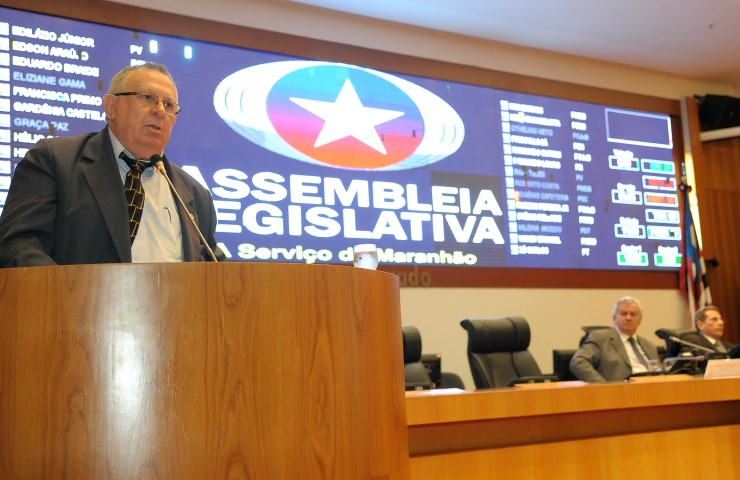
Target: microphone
156, 161
692, 345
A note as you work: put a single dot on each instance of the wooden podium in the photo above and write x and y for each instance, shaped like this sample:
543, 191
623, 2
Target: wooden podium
201, 371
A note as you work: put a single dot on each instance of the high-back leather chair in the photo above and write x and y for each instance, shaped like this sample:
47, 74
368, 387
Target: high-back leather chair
673, 349
588, 329
416, 374
498, 352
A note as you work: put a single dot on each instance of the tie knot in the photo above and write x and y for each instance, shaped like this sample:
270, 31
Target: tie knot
134, 164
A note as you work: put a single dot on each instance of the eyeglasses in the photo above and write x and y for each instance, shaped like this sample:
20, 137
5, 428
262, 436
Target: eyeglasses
151, 101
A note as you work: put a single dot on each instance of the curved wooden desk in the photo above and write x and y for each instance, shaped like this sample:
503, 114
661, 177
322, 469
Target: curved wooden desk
260, 371
671, 427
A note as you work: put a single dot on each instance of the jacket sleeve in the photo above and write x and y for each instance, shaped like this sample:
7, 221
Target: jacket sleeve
28, 220
585, 361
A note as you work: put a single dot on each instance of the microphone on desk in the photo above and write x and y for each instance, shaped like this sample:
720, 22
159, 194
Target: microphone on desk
156, 161
692, 345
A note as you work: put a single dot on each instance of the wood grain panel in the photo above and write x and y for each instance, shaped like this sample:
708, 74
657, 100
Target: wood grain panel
717, 172
722, 164
690, 454
564, 398
720, 224
573, 430
217, 371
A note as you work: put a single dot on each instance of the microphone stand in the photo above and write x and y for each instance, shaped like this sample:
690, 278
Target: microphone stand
708, 354
692, 345
156, 161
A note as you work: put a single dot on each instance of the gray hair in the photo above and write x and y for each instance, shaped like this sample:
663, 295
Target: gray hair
116, 83
626, 300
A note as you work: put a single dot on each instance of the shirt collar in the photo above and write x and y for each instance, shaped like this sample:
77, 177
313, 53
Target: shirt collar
118, 147
623, 336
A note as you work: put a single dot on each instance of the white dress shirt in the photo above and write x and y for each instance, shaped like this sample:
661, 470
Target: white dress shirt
159, 238
637, 366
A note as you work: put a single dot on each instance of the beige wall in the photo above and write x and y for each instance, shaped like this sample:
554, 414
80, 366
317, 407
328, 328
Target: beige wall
555, 315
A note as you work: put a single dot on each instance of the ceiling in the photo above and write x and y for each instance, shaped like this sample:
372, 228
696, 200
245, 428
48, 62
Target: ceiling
699, 39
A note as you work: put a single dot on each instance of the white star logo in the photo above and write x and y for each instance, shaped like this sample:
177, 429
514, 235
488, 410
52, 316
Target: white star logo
347, 117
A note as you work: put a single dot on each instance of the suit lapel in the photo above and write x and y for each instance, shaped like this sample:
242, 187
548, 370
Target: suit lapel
614, 335
645, 350
190, 239
103, 178
714, 346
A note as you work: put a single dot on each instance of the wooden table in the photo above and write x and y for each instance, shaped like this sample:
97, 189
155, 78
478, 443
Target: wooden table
675, 427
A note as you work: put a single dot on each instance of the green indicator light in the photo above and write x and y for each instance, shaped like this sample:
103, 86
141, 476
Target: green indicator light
667, 260
632, 259
658, 166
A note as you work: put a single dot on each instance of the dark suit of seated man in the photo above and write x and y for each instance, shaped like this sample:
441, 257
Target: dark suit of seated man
710, 327
608, 355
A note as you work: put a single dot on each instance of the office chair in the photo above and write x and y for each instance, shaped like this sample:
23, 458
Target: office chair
673, 349
588, 329
561, 363
498, 352
416, 373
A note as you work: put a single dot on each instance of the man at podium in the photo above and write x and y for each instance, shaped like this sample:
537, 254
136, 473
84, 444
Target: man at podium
107, 197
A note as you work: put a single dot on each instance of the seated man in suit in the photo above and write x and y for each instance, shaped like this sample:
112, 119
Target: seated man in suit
709, 327
613, 354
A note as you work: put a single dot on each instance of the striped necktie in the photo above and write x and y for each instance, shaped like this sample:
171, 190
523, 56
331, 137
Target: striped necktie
134, 191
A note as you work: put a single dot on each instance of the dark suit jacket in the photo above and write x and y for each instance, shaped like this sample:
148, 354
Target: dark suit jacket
603, 358
701, 340
66, 205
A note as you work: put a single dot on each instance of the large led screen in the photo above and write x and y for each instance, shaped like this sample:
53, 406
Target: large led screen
305, 159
